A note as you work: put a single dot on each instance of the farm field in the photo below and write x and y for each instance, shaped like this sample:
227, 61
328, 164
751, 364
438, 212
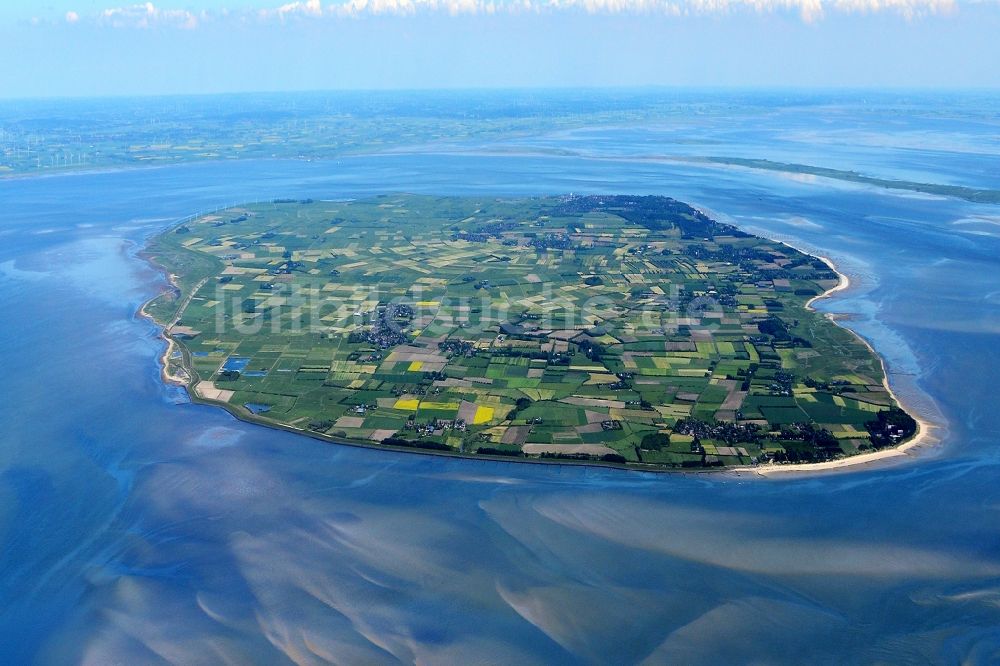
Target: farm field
615, 329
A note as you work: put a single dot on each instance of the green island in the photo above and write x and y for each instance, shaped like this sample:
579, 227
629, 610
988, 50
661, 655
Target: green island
623, 330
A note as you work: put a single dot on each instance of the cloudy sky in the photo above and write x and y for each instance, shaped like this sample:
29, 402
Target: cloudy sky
97, 47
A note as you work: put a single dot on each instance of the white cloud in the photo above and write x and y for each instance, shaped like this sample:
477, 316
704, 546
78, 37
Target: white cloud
148, 15
908, 8
809, 10
410, 7
72, 17
298, 8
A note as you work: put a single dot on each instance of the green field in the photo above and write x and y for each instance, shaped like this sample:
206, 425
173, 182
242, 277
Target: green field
625, 330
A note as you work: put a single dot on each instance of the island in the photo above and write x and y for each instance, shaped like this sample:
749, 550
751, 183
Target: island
621, 330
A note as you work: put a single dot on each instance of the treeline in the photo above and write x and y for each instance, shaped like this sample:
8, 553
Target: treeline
891, 427
607, 457
416, 444
653, 212
491, 451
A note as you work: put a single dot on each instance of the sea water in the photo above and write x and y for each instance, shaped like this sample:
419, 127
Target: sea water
137, 527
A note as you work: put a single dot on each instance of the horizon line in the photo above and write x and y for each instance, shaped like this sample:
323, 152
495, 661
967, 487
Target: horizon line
652, 87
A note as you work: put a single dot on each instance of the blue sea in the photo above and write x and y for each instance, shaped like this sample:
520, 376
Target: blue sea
136, 527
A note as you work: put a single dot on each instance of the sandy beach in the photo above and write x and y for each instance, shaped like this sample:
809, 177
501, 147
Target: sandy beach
172, 346
165, 373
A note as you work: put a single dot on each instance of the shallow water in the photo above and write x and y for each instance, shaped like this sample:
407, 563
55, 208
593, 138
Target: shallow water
136, 527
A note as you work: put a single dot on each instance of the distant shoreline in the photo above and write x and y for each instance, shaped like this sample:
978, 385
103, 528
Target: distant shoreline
965, 193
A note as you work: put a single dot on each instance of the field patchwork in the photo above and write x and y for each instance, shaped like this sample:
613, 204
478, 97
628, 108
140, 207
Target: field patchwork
618, 329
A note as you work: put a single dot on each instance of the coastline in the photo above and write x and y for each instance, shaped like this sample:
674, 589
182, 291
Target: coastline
164, 359
922, 439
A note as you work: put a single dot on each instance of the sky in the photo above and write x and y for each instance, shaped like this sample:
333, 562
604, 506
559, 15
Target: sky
56, 48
